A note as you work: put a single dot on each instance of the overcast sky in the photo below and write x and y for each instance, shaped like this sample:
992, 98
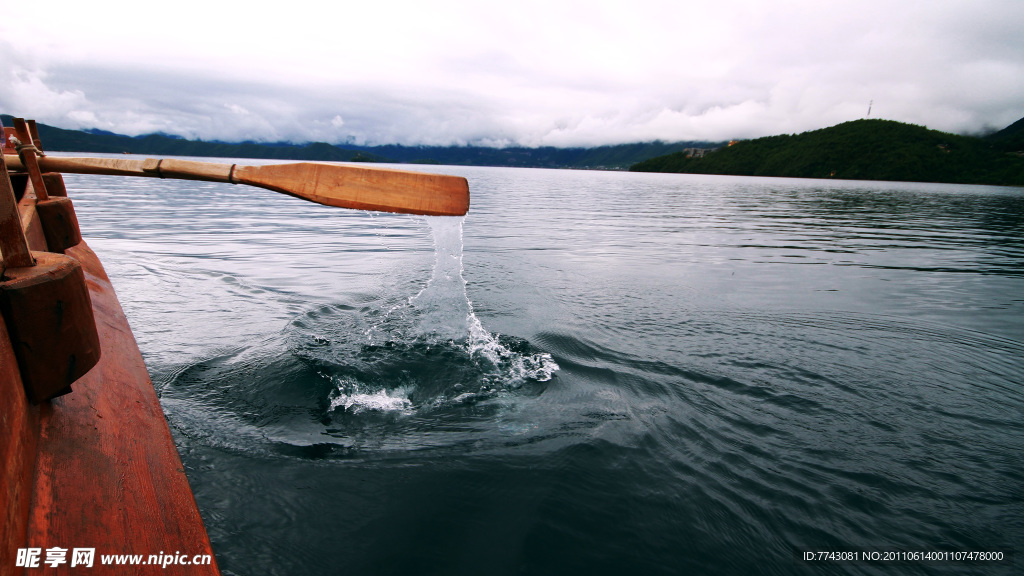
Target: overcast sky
526, 73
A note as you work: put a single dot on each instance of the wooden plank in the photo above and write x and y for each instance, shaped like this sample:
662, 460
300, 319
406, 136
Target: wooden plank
19, 433
33, 131
29, 160
14, 246
19, 425
50, 324
30, 223
108, 473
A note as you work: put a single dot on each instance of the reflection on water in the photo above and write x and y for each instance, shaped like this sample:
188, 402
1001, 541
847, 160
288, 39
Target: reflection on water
590, 373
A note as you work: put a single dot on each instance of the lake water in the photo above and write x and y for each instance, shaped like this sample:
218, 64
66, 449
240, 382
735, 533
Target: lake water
591, 373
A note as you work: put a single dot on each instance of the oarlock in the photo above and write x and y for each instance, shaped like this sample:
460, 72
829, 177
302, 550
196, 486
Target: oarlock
56, 212
44, 302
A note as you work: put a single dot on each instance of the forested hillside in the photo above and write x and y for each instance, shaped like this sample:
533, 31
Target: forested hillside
862, 150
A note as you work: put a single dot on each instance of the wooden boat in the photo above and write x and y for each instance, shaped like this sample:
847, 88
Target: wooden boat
87, 457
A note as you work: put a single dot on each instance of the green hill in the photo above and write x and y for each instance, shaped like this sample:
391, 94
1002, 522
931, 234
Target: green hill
861, 150
1011, 138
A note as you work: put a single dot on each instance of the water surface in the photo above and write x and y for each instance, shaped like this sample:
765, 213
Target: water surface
592, 373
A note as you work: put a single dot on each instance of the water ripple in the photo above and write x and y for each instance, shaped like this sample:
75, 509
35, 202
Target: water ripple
743, 365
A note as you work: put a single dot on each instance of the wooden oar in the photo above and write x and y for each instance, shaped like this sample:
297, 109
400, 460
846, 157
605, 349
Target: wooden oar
329, 184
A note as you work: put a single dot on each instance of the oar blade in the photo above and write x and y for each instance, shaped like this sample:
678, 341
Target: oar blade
363, 188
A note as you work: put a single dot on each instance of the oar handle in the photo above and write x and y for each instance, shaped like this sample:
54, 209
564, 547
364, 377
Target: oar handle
151, 167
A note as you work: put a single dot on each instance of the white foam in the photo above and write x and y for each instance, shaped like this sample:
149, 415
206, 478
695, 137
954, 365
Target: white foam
539, 367
350, 398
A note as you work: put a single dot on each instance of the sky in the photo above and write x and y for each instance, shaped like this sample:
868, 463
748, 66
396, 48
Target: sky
550, 73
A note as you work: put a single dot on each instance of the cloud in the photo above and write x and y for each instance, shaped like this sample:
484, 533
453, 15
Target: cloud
532, 73
25, 88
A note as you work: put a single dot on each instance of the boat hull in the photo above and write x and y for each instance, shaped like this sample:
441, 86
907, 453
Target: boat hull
96, 468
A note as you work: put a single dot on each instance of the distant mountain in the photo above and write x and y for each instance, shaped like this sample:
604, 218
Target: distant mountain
617, 157
1011, 138
863, 150
96, 131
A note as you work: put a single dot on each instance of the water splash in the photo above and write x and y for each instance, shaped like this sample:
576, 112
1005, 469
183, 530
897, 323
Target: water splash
431, 350
350, 396
448, 312
445, 311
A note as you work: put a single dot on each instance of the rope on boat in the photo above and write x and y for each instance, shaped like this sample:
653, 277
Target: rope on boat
21, 148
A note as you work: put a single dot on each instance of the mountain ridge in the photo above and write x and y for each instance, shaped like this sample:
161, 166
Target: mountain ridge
863, 150
611, 157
